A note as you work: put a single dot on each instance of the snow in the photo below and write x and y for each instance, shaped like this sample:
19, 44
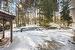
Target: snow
6, 12
29, 40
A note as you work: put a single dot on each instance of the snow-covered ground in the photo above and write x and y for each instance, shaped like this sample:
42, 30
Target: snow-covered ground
29, 40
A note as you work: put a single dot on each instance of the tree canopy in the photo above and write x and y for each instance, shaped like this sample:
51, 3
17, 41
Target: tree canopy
65, 12
47, 7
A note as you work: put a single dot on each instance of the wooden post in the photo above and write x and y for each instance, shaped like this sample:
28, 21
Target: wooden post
11, 36
3, 29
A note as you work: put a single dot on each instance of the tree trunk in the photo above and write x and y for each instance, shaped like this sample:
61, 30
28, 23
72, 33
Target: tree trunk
3, 30
11, 32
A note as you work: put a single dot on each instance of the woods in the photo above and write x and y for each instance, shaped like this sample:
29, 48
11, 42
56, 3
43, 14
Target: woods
39, 12
65, 13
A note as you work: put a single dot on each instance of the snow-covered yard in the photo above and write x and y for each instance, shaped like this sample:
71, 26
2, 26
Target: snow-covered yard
35, 39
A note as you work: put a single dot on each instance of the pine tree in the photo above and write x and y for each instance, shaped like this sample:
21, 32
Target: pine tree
65, 13
46, 9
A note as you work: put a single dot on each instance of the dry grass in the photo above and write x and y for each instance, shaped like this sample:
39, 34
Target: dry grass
4, 41
50, 45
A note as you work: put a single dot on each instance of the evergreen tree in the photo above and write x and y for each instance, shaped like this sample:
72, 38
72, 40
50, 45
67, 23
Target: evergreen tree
47, 9
65, 12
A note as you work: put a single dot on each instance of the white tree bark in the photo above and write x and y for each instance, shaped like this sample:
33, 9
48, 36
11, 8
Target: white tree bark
73, 11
